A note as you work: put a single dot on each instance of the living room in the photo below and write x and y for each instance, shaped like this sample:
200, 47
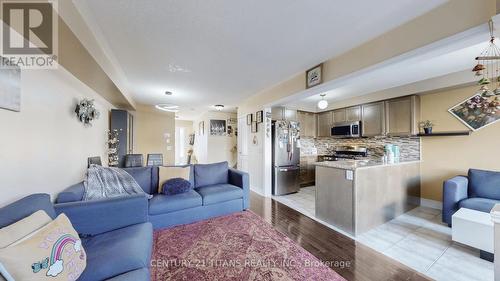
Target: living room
179, 140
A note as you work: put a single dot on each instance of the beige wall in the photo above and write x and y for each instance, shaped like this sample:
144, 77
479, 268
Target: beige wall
211, 149
445, 157
44, 148
154, 133
74, 57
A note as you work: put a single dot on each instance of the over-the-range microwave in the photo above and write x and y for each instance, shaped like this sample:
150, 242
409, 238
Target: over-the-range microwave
346, 130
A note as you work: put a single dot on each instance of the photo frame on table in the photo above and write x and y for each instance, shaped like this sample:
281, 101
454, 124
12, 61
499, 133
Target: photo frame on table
249, 119
314, 76
259, 116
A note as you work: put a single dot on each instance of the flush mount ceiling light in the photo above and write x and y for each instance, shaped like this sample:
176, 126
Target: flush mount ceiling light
167, 107
322, 104
219, 107
177, 68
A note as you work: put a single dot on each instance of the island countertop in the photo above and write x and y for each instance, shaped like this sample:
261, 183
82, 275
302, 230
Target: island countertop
361, 164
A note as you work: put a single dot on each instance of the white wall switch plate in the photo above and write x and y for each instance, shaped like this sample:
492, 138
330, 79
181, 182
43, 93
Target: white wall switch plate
349, 175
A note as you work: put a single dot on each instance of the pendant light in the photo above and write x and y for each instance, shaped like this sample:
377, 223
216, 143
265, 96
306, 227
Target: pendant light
322, 104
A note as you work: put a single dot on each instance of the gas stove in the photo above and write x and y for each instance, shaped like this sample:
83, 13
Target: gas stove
348, 153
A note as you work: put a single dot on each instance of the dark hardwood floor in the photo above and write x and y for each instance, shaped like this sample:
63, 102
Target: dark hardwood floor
349, 258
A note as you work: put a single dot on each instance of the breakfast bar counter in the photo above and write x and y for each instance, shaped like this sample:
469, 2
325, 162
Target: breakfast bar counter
357, 196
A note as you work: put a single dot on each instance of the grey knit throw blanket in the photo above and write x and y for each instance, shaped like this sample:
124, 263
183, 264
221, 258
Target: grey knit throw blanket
104, 182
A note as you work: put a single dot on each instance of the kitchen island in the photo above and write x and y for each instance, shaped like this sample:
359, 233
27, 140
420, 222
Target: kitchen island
357, 196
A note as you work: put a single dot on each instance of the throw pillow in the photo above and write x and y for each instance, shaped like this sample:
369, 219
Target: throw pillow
176, 186
166, 173
22, 228
54, 252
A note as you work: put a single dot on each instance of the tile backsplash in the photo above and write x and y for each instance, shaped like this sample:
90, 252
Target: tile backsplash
409, 146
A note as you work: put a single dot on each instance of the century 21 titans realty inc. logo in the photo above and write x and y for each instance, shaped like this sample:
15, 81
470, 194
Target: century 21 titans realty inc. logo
29, 34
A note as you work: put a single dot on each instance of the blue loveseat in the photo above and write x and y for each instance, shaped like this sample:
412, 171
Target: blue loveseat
218, 190
115, 233
480, 191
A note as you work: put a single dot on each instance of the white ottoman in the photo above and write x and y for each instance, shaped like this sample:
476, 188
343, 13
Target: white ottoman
475, 229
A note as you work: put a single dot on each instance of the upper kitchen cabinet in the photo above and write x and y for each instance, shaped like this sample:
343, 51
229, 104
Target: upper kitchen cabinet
283, 113
339, 115
353, 113
373, 119
307, 122
402, 116
325, 123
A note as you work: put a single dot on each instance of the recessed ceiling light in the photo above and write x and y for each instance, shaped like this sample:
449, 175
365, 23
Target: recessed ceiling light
167, 107
168, 93
219, 107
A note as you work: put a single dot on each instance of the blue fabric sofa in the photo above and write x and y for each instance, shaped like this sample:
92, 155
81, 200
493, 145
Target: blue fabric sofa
218, 190
480, 191
115, 233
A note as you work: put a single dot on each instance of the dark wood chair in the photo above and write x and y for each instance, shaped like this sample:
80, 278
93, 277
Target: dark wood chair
94, 160
134, 160
155, 159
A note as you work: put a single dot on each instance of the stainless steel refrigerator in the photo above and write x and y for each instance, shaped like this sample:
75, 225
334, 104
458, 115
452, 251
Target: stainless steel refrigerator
286, 157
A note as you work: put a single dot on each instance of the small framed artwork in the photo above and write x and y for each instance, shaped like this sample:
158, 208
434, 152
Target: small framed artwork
10, 86
249, 119
314, 76
477, 111
217, 127
254, 126
259, 116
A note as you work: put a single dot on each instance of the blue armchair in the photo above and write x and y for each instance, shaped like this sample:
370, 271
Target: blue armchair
480, 191
115, 233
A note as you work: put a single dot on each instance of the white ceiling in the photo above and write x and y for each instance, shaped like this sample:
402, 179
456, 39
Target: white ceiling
222, 52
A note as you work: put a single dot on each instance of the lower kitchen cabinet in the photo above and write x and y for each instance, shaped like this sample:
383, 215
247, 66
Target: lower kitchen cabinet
307, 170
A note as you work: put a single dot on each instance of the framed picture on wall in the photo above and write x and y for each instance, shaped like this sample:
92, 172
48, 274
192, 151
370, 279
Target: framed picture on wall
254, 126
314, 76
217, 127
477, 111
259, 116
249, 119
10, 86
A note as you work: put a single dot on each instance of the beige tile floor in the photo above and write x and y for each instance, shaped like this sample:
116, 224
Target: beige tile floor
417, 239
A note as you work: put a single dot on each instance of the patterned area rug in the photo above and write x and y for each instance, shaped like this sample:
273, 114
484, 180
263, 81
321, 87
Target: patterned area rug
240, 246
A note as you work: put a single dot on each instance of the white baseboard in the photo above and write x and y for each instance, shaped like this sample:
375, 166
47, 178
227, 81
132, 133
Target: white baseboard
431, 204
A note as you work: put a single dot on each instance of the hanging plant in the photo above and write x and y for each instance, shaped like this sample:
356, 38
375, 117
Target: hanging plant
86, 111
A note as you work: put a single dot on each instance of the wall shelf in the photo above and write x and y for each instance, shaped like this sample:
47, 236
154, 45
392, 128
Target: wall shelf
446, 134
